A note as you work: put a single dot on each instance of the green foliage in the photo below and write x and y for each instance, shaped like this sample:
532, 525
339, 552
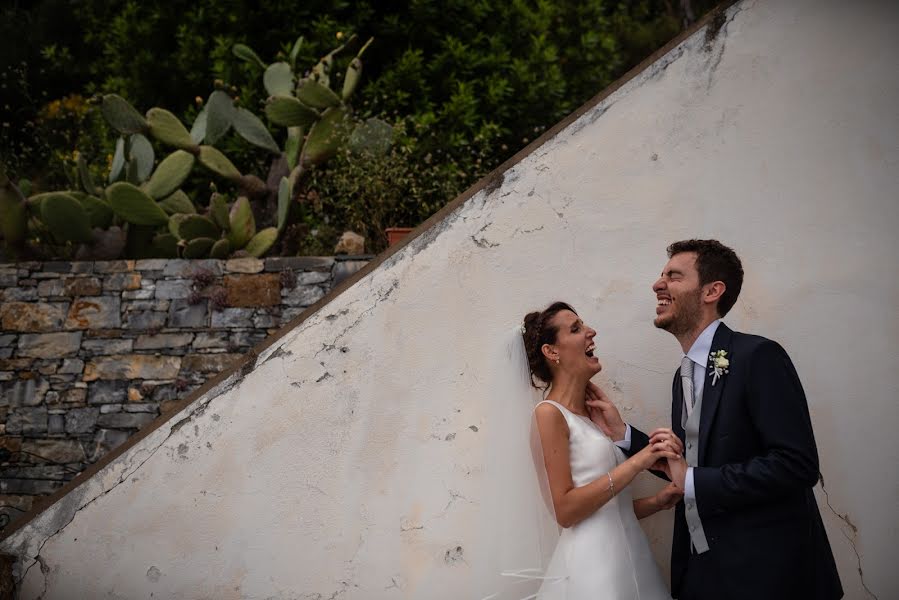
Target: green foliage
465, 83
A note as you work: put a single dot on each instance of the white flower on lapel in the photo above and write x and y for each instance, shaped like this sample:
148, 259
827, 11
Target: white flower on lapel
720, 363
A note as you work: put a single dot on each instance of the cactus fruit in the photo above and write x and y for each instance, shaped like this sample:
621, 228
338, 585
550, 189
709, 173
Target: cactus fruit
65, 217
198, 247
178, 203
261, 242
325, 137
250, 128
170, 174
312, 93
278, 79
166, 128
218, 163
121, 115
219, 116
287, 111
220, 249
243, 223
134, 206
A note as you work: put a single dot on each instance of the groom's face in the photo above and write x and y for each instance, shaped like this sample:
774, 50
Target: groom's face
678, 295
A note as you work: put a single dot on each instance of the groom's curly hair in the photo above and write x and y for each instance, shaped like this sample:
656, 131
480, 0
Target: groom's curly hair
539, 330
715, 262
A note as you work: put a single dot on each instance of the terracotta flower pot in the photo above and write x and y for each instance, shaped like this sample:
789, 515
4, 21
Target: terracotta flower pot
396, 234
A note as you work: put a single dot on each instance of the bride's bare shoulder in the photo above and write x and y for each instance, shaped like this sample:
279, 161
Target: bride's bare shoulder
550, 417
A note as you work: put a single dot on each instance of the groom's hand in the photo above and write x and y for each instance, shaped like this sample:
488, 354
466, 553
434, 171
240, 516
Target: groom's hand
604, 413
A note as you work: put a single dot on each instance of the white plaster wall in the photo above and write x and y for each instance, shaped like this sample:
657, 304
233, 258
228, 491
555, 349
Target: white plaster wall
326, 472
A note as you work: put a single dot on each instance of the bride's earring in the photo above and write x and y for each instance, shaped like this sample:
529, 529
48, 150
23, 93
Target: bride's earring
557, 360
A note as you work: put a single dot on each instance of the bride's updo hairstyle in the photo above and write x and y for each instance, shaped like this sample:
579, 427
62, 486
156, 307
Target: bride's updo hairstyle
539, 330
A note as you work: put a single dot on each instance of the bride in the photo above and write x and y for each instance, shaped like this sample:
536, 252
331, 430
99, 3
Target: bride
602, 551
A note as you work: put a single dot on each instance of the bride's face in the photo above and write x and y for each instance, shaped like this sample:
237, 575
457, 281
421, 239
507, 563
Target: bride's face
574, 346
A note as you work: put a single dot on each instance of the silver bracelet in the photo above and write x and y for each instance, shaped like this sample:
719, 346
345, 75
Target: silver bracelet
611, 483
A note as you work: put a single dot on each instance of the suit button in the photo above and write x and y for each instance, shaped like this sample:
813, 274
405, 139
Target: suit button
689, 445
692, 528
690, 505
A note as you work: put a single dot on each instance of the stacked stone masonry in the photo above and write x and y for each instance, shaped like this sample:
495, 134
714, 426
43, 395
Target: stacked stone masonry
92, 351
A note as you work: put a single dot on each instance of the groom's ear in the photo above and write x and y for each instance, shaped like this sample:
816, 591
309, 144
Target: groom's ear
712, 292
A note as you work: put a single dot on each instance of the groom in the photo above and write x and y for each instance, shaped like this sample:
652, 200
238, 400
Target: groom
748, 526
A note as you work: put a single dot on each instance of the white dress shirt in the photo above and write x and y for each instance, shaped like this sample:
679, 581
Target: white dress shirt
699, 354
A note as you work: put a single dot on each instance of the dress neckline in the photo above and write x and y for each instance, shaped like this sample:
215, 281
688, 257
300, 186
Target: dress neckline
568, 409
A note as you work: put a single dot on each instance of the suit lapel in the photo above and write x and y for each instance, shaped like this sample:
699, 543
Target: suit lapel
711, 394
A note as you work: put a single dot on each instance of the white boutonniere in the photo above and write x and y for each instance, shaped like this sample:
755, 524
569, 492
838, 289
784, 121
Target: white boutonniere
720, 364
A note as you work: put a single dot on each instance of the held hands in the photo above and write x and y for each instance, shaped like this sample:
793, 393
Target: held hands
668, 496
653, 454
604, 414
674, 467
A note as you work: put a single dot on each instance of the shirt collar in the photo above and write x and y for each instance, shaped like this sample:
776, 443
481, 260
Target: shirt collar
699, 351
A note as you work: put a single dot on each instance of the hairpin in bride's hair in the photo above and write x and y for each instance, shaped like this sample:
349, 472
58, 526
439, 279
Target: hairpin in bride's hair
522, 328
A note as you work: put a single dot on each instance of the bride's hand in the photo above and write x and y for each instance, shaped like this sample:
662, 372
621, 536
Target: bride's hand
669, 496
604, 414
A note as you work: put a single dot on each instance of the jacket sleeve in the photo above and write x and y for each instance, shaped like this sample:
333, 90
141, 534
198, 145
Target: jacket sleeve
788, 461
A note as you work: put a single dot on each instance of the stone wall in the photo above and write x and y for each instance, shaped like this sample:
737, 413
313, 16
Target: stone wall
92, 351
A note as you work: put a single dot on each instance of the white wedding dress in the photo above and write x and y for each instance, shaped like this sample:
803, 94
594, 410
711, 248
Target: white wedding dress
605, 556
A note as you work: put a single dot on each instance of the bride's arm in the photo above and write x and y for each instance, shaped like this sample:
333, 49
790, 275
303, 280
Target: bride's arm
667, 498
574, 504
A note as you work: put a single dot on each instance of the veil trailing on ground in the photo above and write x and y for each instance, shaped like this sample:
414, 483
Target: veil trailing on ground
517, 507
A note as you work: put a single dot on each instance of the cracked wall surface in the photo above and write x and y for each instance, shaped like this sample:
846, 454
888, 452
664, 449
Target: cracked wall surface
349, 460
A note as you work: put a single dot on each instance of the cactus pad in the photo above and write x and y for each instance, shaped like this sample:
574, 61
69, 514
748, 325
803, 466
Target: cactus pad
198, 247
197, 226
325, 137
121, 115
287, 111
218, 163
166, 128
250, 128
219, 116
312, 93
65, 217
178, 203
134, 206
221, 249
262, 241
278, 79
170, 174
243, 223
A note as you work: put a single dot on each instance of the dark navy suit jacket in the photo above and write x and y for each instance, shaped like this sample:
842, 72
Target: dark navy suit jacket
757, 466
